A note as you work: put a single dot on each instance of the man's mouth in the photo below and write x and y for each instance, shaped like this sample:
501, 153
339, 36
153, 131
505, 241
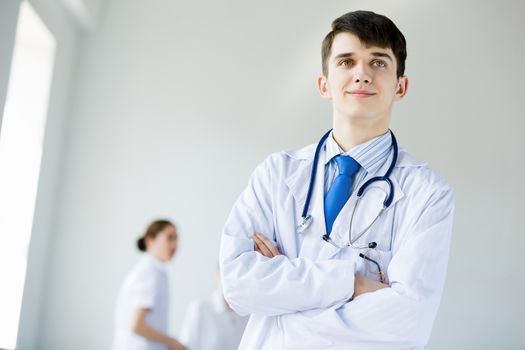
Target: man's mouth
361, 93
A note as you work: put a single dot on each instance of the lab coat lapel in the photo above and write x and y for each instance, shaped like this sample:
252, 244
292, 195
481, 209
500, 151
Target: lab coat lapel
298, 185
369, 206
312, 237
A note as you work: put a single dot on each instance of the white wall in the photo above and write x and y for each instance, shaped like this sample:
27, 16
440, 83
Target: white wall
64, 29
175, 103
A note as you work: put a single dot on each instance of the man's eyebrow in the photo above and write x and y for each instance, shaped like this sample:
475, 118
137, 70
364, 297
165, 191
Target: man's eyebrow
382, 54
344, 54
375, 54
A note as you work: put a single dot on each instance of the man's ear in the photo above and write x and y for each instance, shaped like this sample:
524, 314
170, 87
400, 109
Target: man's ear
322, 86
402, 87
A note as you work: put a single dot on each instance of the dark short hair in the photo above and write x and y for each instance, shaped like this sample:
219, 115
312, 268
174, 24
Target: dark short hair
372, 29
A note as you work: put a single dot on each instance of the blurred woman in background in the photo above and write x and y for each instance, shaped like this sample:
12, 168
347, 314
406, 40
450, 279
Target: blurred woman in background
141, 318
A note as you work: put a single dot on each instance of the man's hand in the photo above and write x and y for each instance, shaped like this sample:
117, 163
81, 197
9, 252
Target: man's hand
364, 284
264, 246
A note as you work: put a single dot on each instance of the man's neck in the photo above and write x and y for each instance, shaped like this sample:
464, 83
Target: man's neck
348, 134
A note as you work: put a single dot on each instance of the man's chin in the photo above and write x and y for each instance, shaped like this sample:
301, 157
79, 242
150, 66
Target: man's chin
358, 114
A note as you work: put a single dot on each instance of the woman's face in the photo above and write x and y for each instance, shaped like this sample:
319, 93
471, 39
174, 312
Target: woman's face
164, 245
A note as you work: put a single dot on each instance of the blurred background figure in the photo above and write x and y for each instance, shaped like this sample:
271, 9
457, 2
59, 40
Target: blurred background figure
141, 318
210, 324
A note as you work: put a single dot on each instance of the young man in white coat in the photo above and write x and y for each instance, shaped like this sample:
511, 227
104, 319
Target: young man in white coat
333, 281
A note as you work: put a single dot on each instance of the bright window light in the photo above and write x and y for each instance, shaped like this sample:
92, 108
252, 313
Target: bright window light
21, 141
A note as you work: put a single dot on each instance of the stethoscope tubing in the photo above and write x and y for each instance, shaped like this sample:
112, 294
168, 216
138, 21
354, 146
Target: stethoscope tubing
306, 218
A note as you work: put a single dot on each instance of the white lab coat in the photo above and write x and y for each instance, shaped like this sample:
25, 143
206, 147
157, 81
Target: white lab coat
209, 324
145, 287
300, 300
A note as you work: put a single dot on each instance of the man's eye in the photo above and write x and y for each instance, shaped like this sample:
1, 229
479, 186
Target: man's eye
379, 63
346, 63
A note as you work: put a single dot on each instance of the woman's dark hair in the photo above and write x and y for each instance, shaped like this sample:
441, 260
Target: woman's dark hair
152, 231
372, 29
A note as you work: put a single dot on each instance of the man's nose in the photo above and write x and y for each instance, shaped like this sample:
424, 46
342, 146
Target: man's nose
361, 75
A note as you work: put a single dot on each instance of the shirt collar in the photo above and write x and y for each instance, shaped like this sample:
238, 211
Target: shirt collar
368, 154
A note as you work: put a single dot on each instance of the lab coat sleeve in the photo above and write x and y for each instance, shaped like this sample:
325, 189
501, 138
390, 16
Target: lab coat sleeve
144, 291
256, 284
402, 315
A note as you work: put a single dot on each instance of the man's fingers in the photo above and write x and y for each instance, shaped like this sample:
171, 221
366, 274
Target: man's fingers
262, 247
265, 246
269, 244
257, 249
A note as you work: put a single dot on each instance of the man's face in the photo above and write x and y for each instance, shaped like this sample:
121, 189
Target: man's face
362, 81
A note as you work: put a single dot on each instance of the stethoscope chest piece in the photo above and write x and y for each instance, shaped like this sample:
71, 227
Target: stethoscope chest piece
304, 223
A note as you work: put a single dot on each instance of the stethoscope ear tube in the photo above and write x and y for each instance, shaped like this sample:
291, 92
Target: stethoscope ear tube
306, 219
313, 173
388, 199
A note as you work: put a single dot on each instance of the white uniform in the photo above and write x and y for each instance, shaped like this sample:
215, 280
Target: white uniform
145, 287
300, 300
209, 324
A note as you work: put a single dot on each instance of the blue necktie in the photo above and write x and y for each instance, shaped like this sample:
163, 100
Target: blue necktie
339, 192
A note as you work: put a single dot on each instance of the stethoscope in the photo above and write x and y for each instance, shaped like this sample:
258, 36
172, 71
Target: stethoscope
306, 219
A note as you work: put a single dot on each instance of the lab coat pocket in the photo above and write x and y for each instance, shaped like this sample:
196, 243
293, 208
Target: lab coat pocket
373, 263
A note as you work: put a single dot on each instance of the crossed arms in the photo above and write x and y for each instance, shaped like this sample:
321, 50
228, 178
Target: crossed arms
362, 284
257, 279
